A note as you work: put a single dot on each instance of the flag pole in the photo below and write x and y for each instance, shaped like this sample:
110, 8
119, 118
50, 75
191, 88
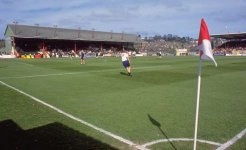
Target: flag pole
197, 101
205, 50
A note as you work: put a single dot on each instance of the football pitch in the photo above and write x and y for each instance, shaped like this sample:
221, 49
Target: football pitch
61, 104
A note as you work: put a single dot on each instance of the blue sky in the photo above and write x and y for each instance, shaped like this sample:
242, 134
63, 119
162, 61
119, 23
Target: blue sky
144, 17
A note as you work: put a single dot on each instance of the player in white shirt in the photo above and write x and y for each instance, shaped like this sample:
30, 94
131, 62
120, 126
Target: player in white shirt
126, 62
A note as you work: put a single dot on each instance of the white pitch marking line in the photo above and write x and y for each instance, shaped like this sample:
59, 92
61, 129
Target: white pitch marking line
232, 141
73, 73
42, 75
179, 139
140, 147
77, 119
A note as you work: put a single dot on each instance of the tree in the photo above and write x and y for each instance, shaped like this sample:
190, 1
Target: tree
2, 43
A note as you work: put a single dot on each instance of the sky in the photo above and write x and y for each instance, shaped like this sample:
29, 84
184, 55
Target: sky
142, 17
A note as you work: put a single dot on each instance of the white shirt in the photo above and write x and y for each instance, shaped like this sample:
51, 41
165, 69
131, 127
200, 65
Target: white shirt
124, 56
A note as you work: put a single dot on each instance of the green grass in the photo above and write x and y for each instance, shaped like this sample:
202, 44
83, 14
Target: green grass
98, 93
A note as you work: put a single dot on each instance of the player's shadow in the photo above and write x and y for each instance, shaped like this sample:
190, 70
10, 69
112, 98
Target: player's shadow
54, 136
158, 125
123, 73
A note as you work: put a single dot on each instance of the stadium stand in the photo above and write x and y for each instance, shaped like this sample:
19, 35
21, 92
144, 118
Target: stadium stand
32, 39
232, 44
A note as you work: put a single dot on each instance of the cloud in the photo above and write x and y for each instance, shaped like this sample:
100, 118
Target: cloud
179, 17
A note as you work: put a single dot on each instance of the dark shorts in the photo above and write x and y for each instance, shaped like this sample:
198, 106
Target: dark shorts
82, 56
126, 63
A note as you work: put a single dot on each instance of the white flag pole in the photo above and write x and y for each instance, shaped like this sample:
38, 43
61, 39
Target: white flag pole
197, 101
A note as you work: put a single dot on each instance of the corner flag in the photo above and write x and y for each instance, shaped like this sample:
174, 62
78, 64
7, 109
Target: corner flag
204, 44
205, 49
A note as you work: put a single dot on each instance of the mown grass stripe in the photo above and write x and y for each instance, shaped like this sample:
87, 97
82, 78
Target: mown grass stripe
74, 73
130, 143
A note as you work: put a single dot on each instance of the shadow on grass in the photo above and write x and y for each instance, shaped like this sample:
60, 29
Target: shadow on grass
123, 73
158, 125
54, 136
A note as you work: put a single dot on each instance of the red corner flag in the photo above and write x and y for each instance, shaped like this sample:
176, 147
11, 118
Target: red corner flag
204, 44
